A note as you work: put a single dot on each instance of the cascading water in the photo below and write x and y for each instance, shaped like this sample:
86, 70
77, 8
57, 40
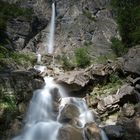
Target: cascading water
41, 122
50, 44
42, 119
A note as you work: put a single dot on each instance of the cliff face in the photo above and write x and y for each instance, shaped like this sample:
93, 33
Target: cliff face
79, 23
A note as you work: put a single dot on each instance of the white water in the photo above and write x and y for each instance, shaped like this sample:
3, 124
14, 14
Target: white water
50, 44
40, 123
38, 58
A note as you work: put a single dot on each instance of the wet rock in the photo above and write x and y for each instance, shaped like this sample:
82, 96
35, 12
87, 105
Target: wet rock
69, 114
70, 133
114, 132
92, 131
131, 61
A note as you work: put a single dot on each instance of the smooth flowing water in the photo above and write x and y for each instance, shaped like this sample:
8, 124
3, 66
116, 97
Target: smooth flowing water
42, 119
40, 123
50, 44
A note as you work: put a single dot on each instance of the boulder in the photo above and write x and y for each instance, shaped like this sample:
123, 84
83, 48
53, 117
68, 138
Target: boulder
69, 132
69, 114
92, 131
78, 79
112, 103
131, 61
114, 132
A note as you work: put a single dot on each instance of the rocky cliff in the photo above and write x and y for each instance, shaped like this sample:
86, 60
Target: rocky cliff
82, 23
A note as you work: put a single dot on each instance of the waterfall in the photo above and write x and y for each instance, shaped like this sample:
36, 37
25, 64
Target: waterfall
50, 44
42, 122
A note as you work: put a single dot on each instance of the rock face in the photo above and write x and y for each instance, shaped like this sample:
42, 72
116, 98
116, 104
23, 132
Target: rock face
77, 79
20, 83
16, 89
79, 23
84, 24
131, 62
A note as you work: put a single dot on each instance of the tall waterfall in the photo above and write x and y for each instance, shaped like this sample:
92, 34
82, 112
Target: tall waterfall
50, 44
44, 116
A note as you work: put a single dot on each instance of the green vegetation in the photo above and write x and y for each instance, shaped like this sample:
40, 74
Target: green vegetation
128, 18
8, 103
67, 63
118, 47
8, 11
82, 58
113, 83
19, 58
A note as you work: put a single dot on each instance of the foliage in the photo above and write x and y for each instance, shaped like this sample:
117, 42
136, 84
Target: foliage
8, 103
66, 63
118, 47
21, 59
81, 57
128, 18
110, 87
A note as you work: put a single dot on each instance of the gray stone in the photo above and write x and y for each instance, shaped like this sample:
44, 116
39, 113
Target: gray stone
70, 133
131, 62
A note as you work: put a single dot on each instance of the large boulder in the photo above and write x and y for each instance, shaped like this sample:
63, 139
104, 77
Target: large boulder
78, 79
70, 133
92, 131
114, 132
131, 61
69, 114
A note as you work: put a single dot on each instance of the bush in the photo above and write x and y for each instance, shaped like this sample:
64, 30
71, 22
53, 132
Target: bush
128, 18
118, 47
67, 64
82, 58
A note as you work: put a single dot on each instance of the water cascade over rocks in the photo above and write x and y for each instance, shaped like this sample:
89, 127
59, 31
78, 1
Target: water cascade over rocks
50, 109
52, 115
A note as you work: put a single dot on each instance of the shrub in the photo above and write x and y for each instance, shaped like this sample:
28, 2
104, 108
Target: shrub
128, 18
67, 64
82, 58
118, 47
